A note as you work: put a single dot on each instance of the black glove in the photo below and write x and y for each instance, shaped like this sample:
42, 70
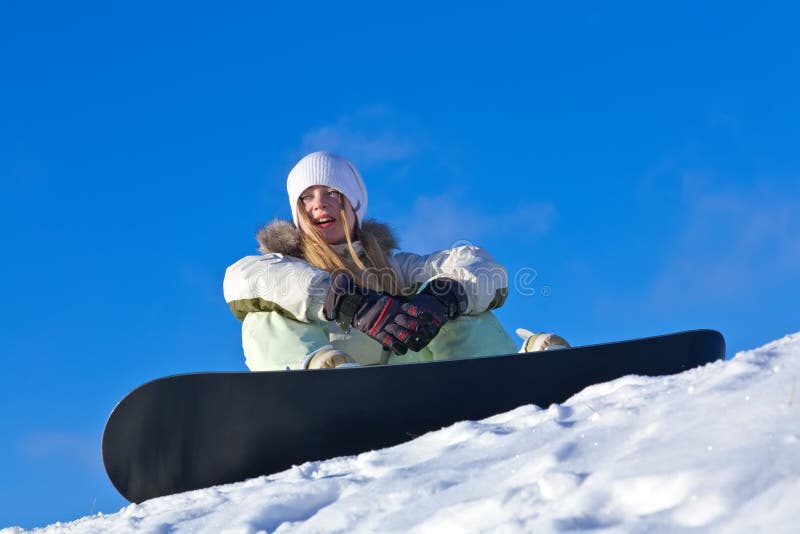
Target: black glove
439, 301
382, 317
450, 294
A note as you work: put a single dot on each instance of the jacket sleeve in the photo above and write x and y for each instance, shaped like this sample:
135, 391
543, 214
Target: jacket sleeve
274, 282
485, 280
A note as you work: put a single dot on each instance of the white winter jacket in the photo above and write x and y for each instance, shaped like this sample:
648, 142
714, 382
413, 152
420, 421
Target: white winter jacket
280, 281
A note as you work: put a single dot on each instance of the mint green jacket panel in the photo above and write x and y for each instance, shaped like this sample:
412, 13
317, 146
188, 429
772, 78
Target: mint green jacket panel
472, 336
272, 341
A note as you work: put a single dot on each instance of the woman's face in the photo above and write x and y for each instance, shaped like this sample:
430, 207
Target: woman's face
321, 203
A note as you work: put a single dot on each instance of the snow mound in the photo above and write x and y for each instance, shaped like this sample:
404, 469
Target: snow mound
716, 447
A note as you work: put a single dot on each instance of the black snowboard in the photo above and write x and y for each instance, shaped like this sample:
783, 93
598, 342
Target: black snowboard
192, 431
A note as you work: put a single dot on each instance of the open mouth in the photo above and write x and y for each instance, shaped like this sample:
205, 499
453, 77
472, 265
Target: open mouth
324, 222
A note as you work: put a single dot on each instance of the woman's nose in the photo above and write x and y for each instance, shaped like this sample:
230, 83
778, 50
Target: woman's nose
317, 200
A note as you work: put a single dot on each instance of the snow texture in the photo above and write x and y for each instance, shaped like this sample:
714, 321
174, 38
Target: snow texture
713, 449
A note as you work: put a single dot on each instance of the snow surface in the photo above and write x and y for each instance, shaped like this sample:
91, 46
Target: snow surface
713, 449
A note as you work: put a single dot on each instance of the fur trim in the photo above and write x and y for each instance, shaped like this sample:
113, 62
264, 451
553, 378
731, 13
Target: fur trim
279, 236
382, 233
283, 237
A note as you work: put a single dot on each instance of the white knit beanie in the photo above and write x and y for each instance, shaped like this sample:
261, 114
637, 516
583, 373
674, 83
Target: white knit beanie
325, 168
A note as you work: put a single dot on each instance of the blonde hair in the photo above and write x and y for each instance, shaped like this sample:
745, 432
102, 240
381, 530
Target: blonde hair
372, 270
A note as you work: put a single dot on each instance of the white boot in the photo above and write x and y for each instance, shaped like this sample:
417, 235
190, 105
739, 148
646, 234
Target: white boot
532, 342
327, 358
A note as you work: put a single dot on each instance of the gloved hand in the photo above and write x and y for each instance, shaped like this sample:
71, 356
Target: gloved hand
327, 358
441, 300
382, 317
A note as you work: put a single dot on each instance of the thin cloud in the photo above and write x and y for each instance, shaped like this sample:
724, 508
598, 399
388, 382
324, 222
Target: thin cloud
444, 221
82, 449
365, 137
731, 242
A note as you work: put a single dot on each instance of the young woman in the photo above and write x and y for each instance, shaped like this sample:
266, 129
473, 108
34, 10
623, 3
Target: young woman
331, 290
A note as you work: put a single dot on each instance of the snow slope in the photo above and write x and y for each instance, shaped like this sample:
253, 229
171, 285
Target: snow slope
716, 447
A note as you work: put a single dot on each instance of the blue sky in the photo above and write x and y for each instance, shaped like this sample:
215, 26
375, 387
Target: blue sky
634, 166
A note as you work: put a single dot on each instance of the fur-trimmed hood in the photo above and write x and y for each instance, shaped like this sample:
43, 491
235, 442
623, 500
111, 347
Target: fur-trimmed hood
283, 237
